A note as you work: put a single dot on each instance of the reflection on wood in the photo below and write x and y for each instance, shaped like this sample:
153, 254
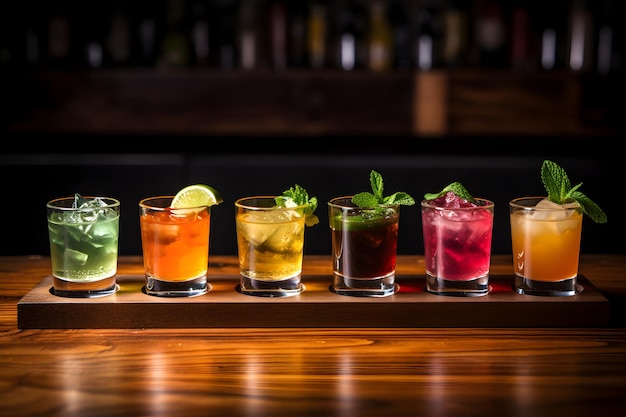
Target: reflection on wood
312, 371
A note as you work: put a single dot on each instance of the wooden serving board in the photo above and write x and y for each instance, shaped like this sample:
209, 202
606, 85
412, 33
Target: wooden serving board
315, 307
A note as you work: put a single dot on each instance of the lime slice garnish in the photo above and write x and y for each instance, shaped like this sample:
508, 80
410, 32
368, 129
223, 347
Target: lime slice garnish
196, 195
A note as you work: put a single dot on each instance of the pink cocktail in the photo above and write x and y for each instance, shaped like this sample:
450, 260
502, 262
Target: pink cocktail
457, 244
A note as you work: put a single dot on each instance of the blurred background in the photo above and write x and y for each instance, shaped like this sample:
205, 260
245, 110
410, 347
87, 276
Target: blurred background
132, 99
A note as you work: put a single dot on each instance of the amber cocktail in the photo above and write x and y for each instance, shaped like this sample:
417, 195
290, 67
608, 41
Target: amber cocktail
175, 246
545, 238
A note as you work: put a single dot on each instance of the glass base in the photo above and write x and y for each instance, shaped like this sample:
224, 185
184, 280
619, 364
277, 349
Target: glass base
190, 288
93, 289
365, 287
260, 288
567, 287
473, 288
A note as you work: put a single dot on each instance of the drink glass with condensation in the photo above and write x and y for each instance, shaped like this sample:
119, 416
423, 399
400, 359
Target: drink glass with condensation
83, 234
364, 248
270, 244
545, 239
175, 243
457, 245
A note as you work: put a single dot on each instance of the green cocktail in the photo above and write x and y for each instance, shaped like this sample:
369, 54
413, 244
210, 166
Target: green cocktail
83, 233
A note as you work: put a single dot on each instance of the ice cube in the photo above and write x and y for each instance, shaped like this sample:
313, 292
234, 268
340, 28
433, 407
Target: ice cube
277, 240
292, 214
190, 213
567, 225
104, 230
547, 204
74, 258
452, 201
549, 210
80, 216
277, 216
166, 233
253, 227
266, 230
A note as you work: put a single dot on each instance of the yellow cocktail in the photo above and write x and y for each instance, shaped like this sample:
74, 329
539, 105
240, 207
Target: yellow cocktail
270, 242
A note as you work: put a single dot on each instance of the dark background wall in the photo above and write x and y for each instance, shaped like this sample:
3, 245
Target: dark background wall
489, 168
144, 126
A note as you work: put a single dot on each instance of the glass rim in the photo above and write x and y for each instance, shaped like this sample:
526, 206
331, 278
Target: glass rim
332, 203
515, 203
110, 203
486, 204
143, 203
239, 203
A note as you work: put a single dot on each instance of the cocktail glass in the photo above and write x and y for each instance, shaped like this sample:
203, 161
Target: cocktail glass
364, 246
545, 238
175, 245
457, 246
270, 242
83, 234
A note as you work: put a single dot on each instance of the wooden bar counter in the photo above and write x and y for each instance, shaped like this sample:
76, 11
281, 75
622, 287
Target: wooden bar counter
305, 371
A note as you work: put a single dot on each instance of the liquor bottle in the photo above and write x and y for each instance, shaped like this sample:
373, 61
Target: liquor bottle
401, 29
33, 46
147, 29
552, 30
426, 39
247, 34
580, 38
361, 26
278, 34
93, 30
490, 35
199, 33
317, 34
226, 34
607, 55
175, 49
59, 37
297, 31
380, 44
34, 30
344, 37
118, 39
521, 45
454, 31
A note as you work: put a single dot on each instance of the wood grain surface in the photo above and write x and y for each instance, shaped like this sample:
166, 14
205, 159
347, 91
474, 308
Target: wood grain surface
313, 371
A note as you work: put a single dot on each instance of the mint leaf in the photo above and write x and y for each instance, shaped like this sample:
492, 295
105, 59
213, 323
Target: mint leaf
456, 187
400, 197
365, 200
311, 220
555, 181
376, 198
376, 180
298, 196
590, 208
560, 191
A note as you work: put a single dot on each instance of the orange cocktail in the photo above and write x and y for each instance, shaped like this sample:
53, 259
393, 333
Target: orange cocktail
546, 234
175, 247
546, 240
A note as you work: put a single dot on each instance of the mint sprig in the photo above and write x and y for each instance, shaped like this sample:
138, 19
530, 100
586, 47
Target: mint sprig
457, 188
560, 191
377, 199
298, 196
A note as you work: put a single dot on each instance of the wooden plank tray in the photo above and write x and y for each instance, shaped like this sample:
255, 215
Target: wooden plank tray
317, 306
